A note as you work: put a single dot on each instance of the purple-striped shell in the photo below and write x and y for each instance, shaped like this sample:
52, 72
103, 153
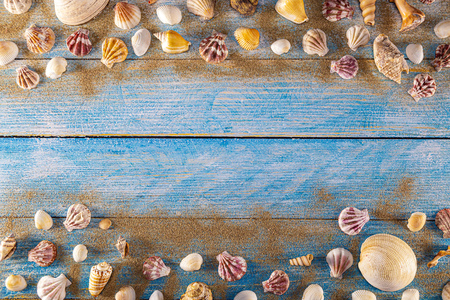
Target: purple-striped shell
78, 217
424, 86
278, 283
443, 221
78, 43
427, 1
213, 49
335, 10
339, 260
155, 268
442, 59
231, 268
44, 254
346, 67
352, 220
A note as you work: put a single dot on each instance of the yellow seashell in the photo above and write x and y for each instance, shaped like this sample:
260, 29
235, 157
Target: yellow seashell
248, 38
114, 51
293, 10
197, 291
411, 16
172, 42
39, 39
302, 261
368, 11
417, 221
99, 277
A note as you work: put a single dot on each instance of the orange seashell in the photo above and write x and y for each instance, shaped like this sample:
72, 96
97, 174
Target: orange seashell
39, 39
114, 51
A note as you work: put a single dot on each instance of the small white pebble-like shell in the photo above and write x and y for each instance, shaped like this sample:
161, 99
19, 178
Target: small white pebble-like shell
281, 46
105, 224
55, 67
315, 42
357, 36
442, 29
80, 253
126, 293
8, 52
415, 53
15, 283
169, 14
246, 295
417, 221
156, 295
141, 41
363, 295
411, 294
192, 262
43, 220
313, 292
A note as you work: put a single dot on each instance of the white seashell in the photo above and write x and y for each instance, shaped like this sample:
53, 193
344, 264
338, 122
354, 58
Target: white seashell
49, 288
8, 52
17, 7
126, 15
79, 253
280, 46
192, 262
363, 295
141, 41
315, 42
42, 220
313, 292
202, 8
169, 14
246, 295
442, 29
126, 293
72, 12
411, 294
156, 295
339, 260
15, 283
415, 53
55, 67
357, 36
446, 292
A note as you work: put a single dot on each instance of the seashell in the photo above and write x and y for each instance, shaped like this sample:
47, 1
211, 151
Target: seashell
411, 294
141, 41
169, 14
339, 260
335, 10
155, 268
424, 86
55, 67
123, 247
442, 221
8, 52
438, 256
442, 59
293, 10
78, 216
172, 42
302, 261
244, 7
197, 291
411, 16
202, 8
49, 288
416, 221
15, 283
363, 295
17, 7
248, 38
387, 262
313, 292
388, 59
246, 295
368, 11
357, 36
278, 283
114, 50
231, 268
280, 46
99, 277
352, 220
44, 254
39, 39
156, 295
126, 293
415, 53
126, 15
78, 12
26, 78
315, 42
79, 253
446, 292
192, 262
78, 43
427, 1
213, 49
105, 224
442, 29
42, 220
346, 67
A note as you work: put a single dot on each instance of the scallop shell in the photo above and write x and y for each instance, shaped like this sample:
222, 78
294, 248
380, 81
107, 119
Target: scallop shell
78, 12
339, 260
248, 38
99, 277
78, 217
346, 67
357, 36
141, 41
17, 7
352, 220
424, 86
315, 42
363, 295
244, 7
49, 288
8, 52
155, 268
105, 224
7, 247
415, 53
368, 11
26, 78
278, 283
197, 291
388, 59
411, 294
39, 39
192, 262
280, 46
335, 10
387, 262
313, 292
172, 42
78, 43
442, 29
417, 221
231, 268
114, 50
202, 8
169, 14
42, 220
44, 254
302, 261
15, 283
446, 292
126, 293
126, 15
293, 10
442, 221
156, 295
55, 67
246, 295
442, 59
213, 49
123, 247
79, 253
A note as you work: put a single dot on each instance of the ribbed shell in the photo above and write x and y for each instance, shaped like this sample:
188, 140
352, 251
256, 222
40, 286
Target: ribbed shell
169, 14
202, 8
411, 294
335, 10
363, 295
446, 292
8, 52
424, 86
114, 50
123, 247
213, 49
352, 220
357, 36
427, 1
442, 221
231, 268
442, 29
368, 11
49, 288
197, 291
99, 277
302, 260
44, 254
346, 67
278, 283
388, 59
417, 221
126, 15
244, 7
315, 42
155, 268
78, 12
39, 39
78, 43
7, 247
78, 217
292, 10
248, 38
141, 41
339, 260
313, 292
17, 7
172, 42
26, 78
442, 59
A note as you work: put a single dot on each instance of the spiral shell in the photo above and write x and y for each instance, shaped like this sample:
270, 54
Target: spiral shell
442, 59
78, 12
78, 217
172, 42
17, 7
313, 292
26, 78
246, 295
78, 43
417, 220
411, 294
339, 260
15, 283
99, 277
357, 36
213, 49
126, 293
292, 10
123, 247
39, 39
197, 291
202, 8
442, 29
7, 247
231, 268
388, 59
363, 295
192, 262
446, 292
278, 283
49, 288
155, 268
352, 220
114, 50
346, 67
44, 254
280, 46
126, 15
79, 253
8, 52
415, 53
302, 260
55, 67
442, 221
424, 86
244, 7
169, 14
368, 11
248, 38
315, 42
335, 10
43, 220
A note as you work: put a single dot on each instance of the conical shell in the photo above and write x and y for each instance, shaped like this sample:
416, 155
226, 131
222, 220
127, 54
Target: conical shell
446, 292
43, 220
78, 12
415, 53
114, 50
442, 59
417, 219
213, 49
411, 294
442, 29
278, 283
346, 67
246, 295
17, 7
197, 291
202, 8
156, 295
313, 292
26, 78
368, 11
126, 15
424, 86
357, 36
302, 260
15, 283
315, 42
44, 254
388, 59
244, 7
78, 217
280, 46
352, 220
39, 39
172, 42
169, 14
49, 288
335, 10
155, 268
123, 247
363, 295
192, 262
339, 260
126, 293
7, 247
78, 43
387, 262
99, 277
248, 38
443, 222
141, 41
293, 10
8, 52
231, 268
55, 67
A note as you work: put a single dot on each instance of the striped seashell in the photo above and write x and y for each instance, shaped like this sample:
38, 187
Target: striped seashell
202, 8
352, 220
424, 86
155, 268
315, 42
335, 10
446, 292
442, 59
26, 78
197, 291
169, 14
39, 39
8, 52
78, 43
7, 247
363, 295
339, 260
313, 292
172, 42
231, 268
388, 59
346, 67
213, 49
248, 38
427, 1
123, 247
78, 217
126, 15
17, 7
357, 36
368, 11
443, 221
302, 260
278, 283
49, 288
44, 254
114, 50
99, 277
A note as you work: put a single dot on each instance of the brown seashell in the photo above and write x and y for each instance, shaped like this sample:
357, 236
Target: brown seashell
127, 15
78, 217
155, 268
213, 49
411, 16
248, 38
442, 59
278, 283
427, 1
7, 247
39, 39
197, 291
44, 254
105, 224
123, 247
388, 59
231, 268
78, 43
244, 7
443, 221
440, 254
26, 78
335, 10
424, 86
99, 277
302, 260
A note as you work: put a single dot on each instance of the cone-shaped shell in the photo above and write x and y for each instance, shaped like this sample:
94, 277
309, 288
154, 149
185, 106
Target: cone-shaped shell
335, 10
339, 260
387, 262
293, 10
123, 247
39, 39
388, 59
202, 8
44, 254
302, 260
155, 268
126, 15
442, 59
278, 283
49, 288
357, 36
231, 268
7, 247
17, 7
169, 14
352, 220
172, 42
424, 86
26, 78
313, 292
78, 43
78, 12
8, 52
363, 295
99, 277
213, 49
443, 222
197, 291
248, 38
141, 41
78, 217
315, 42
368, 11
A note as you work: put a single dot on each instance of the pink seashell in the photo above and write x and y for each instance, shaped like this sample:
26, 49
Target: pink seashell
443, 221
278, 283
78, 43
339, 260
213, 49
427, 1
155, 268
424, 86
346, 67
44, 254
335, 10
78, 217
352, 220
231, 268
442, 59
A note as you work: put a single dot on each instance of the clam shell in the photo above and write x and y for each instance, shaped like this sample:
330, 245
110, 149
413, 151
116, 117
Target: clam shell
197, 291
192, 262
114, 50
278, 283
49, 288
43, 220
26, 78
417, 219
411, 294
357, 36
78, 43
79, 253
213, 49
335, 10
292, 10
126, 15
315, 42
78, 12
246, 295
78, 217
363, 295
155, 268
126, 293
44, 254
15, 283
39, 39
156, 295
231, 268
346, 67
99, 277
302, 261
280, 46
141, 41
172, 42
442, 29
388, 59
123, 247
244, 7
55, 67
415, 53
339, 260
17, 7
169, 14
202, 8
442, 221
8, 52
313, 292
446, 292
105, 224
248, 38
442, 59
368, 11
352, 220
